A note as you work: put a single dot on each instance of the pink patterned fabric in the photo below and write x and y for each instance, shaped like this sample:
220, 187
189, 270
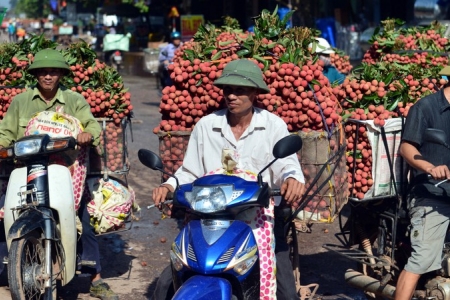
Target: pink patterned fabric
261, 220
78, 171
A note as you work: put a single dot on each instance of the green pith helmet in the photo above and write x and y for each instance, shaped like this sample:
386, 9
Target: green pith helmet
49, 58
445, 71
243, 72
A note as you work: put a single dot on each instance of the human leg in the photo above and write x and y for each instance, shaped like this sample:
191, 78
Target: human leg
285, 276
406, 285
3, 246
429, 223
90, 257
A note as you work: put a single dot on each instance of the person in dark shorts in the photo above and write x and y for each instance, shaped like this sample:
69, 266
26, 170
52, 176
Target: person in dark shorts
429, 206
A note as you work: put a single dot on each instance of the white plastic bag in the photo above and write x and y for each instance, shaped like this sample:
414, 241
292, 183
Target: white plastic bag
111, 204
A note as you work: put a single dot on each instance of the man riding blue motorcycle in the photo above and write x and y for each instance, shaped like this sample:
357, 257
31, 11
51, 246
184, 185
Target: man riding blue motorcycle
237, 139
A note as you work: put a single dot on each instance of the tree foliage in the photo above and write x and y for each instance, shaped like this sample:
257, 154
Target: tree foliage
32, 8
41, 8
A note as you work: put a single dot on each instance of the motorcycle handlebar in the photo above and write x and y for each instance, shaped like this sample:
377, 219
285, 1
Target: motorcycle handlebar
275, 192
169, 200
169, 197
439, 183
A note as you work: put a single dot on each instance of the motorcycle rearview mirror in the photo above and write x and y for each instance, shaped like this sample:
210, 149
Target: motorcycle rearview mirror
153, 161
286, 146
435, 136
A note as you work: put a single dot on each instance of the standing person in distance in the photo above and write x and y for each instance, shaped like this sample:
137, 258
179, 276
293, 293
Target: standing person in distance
323, 49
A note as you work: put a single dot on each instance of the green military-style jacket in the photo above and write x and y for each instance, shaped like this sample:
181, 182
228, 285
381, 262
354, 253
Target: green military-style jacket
25, 105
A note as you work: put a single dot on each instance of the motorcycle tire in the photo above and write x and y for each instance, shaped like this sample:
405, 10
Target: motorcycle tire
26, 259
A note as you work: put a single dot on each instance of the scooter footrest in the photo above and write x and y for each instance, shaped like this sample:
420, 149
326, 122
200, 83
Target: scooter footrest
358, 255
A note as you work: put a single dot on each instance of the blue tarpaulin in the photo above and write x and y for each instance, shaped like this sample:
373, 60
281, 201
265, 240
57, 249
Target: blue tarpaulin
328, 30
282, 11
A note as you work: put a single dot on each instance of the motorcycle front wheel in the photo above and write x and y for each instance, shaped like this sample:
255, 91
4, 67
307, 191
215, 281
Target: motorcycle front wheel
26, 267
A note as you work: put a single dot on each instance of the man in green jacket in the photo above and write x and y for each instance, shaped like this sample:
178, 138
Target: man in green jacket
49, 66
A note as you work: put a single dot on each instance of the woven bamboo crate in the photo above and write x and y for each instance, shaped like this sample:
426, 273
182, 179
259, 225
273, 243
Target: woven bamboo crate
330, 192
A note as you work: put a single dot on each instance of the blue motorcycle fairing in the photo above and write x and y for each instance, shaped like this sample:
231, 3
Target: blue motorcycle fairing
251, 190
204, 288
205, 258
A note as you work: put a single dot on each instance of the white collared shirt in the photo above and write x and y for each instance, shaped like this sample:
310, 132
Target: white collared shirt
212, 134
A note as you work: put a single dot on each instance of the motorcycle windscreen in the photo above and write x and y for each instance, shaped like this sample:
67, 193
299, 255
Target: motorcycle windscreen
204, 287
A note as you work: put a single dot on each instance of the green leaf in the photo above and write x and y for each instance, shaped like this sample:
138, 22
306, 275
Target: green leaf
243, 52
316, 82
287, 17
217, 55
393, 105
274, 14
207, 50
272, 32
226, 43
190, 54
387, 80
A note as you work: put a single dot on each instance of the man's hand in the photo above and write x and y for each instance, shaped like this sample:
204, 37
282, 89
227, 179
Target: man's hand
292, 190
160, 193
84, 139
439, 172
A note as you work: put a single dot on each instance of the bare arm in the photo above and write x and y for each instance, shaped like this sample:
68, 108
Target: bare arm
413, 157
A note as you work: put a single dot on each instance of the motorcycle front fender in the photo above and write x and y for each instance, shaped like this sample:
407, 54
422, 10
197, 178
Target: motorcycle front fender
204, 287
28, 221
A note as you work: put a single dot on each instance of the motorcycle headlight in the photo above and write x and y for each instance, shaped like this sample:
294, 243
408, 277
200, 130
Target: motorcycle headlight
244, 266
177, 263
209, 199
27, 147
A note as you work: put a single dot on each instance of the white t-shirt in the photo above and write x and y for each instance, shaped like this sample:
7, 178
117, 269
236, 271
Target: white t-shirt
212, 134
